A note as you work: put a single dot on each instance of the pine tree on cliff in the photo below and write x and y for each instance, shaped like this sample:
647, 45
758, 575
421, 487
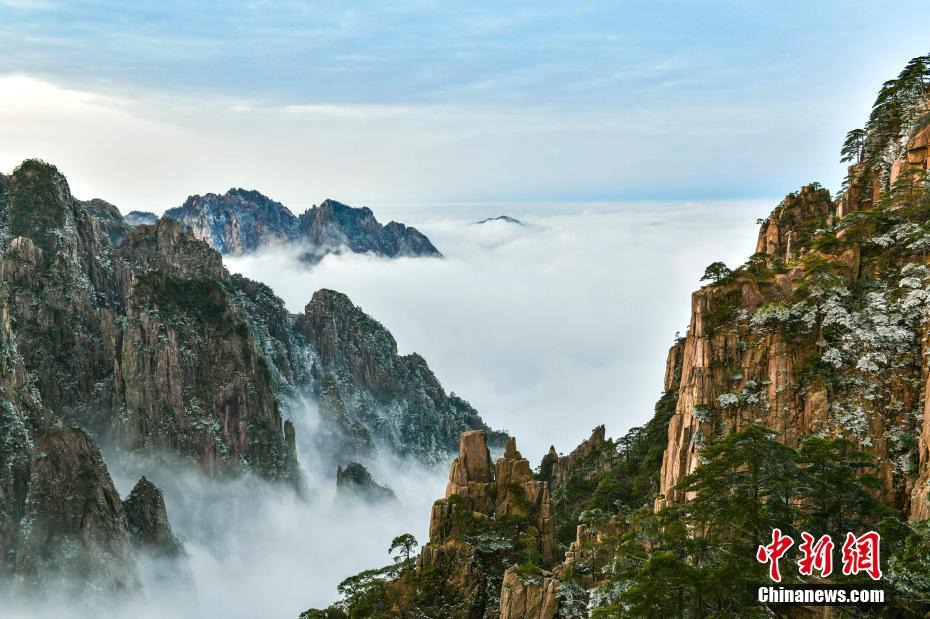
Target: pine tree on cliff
836, 490
405, 544
899, 108
716, 272
854, 146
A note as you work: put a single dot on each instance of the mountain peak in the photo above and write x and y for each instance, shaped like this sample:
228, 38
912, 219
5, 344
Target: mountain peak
244, 220
502, 218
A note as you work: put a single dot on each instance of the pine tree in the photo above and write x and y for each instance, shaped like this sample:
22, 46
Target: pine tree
854, 146
836, 489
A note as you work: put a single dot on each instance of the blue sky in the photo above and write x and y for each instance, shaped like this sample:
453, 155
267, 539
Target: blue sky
438, 102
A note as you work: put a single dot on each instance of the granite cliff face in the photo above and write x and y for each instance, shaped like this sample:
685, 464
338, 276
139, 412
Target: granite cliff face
824, 332
799, 398
73, 532
148, 520
140, 335
242, 221
491, 497
136, 337
138, 343
372, 396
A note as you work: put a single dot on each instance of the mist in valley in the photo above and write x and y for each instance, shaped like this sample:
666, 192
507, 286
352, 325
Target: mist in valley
254, 548
547, 328
550, 328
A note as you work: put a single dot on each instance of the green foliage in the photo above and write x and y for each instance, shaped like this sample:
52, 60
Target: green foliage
329, 613
898, 108
544, 472
838, 492
698, 558
631, 482
529, 573
366, 594
853, 146
201, 299
907, 567
716, 272
723, 309
406, 544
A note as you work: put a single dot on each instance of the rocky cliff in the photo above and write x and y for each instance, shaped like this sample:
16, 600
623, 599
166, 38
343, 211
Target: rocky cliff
798, 399
372, 396
140, 335
492, 550
148, 520
332, 226
823, 331
242, 221
136, 337
138, 342
73, 533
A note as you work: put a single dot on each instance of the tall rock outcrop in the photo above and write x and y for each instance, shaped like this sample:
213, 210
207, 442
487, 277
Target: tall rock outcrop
595, 455
73, 531
478, 495
491, 550
531, 596
822, 331
188, 375
242, 221
148, 521
355, 482
793, 223
372, 396
134, 334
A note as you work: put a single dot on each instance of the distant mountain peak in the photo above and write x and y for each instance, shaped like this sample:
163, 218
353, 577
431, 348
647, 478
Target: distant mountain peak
243, 220
504, 218
137, 218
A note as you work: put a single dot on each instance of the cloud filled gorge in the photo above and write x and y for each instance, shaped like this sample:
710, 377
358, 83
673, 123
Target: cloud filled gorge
254, 548
547, 329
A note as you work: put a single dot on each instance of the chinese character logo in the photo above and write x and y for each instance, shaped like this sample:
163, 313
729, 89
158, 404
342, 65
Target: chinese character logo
773, 552
816, 555
860, 554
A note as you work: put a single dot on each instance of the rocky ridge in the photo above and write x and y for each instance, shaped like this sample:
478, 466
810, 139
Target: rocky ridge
242, 221
139, 336
354, 481
481, 495
370, 395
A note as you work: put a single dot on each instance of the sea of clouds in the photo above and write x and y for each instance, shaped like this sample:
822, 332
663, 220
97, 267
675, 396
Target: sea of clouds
548, 329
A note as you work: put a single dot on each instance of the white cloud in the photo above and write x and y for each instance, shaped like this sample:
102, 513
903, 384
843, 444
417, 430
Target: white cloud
548, 330
255, 549
149, 151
